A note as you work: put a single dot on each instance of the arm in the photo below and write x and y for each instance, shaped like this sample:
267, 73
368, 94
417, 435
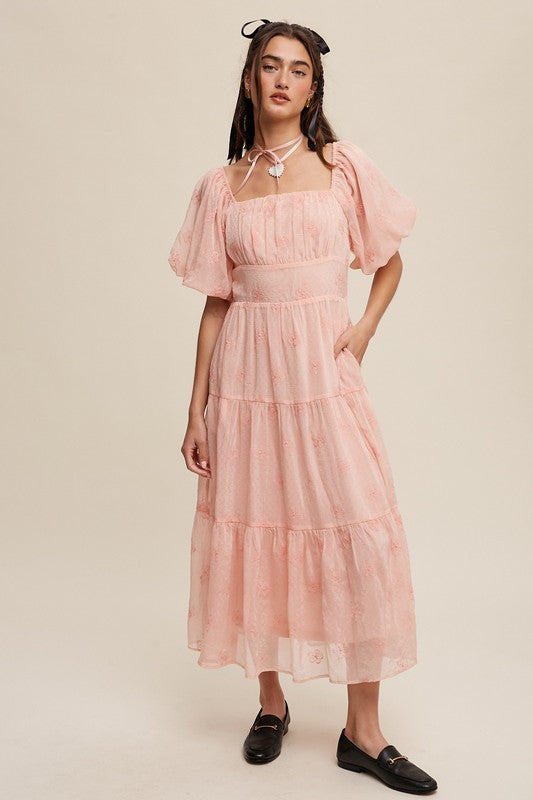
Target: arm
195, 445
384, 283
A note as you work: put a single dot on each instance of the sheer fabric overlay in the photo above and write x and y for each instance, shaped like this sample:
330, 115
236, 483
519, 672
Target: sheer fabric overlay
299, 558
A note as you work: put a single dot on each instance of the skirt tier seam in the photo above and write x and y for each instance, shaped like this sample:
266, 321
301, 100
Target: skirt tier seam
391, 511
352, 390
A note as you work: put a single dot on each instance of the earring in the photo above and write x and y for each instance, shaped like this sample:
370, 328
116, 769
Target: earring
308, 102
247, 93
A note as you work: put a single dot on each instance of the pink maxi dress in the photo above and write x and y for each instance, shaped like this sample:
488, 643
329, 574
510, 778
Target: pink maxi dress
299, 561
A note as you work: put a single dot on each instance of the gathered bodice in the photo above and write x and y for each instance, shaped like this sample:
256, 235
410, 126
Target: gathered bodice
287, 227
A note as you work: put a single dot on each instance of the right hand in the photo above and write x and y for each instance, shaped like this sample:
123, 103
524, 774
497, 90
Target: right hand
195, 447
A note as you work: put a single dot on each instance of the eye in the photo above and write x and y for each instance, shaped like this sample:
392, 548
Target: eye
297, 71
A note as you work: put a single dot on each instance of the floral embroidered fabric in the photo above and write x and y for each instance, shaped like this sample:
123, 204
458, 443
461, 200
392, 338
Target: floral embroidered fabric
299, 559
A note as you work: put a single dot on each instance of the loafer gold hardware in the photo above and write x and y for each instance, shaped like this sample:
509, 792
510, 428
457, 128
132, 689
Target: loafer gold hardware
392, 760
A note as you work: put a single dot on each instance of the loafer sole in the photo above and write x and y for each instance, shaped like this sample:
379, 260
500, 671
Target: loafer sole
410, 790
351, 757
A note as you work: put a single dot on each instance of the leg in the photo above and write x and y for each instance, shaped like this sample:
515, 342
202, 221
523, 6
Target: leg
362, 723
271, 696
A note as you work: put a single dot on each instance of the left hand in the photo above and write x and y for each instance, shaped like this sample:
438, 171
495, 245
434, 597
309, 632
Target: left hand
355, 339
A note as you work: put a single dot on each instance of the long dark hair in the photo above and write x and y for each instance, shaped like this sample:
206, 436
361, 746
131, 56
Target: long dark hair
242, 128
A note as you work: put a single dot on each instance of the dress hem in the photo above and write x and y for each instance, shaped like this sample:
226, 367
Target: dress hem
404, 668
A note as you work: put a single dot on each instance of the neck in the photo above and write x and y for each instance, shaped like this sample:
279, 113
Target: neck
276, 133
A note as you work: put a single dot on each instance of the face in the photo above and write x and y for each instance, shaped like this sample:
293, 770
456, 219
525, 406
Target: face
285, 68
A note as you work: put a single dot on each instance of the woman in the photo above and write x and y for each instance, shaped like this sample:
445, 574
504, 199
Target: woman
299, 561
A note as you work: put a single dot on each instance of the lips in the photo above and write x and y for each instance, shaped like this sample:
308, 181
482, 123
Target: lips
279, 96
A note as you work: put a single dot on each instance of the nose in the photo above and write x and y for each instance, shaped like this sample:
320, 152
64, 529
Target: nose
281, 82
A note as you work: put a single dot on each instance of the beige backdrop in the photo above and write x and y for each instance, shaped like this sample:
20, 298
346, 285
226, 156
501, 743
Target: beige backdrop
111, 111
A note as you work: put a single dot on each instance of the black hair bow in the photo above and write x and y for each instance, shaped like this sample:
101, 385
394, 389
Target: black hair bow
322, 46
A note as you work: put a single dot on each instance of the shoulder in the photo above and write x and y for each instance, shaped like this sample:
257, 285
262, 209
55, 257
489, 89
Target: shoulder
348, 154
328, 151
210, 187
349, 168
358, 172
209, 178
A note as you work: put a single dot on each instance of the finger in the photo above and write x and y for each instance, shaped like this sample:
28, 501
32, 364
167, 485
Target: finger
203, 455
190, 455
338, 346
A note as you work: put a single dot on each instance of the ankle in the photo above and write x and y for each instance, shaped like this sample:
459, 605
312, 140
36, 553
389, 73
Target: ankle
272, 697
370, 740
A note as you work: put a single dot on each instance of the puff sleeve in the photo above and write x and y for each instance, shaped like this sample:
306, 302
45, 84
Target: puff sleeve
198, 254
378, 215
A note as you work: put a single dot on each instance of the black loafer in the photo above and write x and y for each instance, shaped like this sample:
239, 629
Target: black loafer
390, 766
265, 737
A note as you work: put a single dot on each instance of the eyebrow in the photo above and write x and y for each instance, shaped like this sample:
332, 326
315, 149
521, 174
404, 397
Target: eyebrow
277, 58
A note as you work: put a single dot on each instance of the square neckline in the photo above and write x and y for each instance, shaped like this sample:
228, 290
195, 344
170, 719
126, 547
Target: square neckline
327, 190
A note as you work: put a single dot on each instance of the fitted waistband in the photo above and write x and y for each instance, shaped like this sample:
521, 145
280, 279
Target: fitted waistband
289, 283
